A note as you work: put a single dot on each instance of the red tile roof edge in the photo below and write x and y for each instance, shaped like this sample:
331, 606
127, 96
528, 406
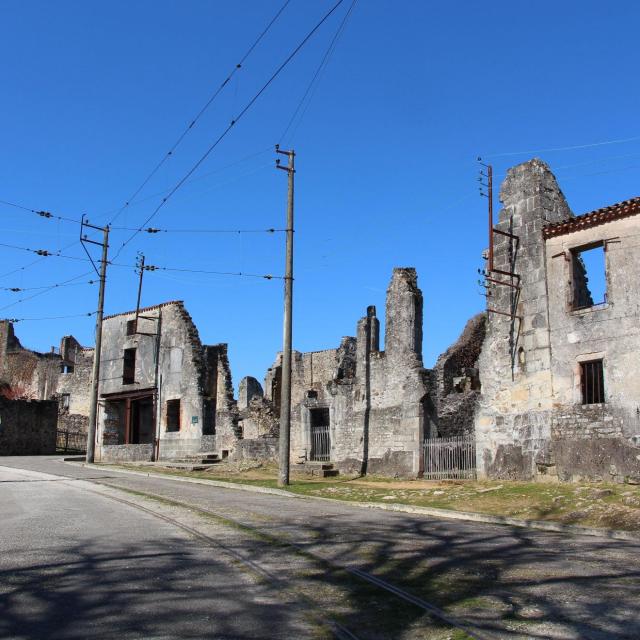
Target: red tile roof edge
616, 211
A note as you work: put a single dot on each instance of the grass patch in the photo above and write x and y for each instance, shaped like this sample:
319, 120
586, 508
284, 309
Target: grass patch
597, 504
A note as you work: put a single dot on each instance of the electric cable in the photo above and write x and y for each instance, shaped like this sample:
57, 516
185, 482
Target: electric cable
76, 315
41, 292
217, 92
156, 230
44, 253
41, 213
323, 63
571, 148
219, 139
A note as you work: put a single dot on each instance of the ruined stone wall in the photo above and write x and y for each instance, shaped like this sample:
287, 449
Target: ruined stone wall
454, 385
29, 374
171, 364
263, 449
531, 421
374, 398
74, 387
609, 332
27, 427
512, 422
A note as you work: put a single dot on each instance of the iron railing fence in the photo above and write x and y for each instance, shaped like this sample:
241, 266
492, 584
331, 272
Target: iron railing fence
71, 442
450, 458
320, 443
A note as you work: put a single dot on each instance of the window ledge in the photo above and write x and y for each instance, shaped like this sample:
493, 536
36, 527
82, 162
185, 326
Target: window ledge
586, 310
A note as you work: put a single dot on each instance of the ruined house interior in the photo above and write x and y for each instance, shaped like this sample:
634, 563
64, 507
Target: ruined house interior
541, 385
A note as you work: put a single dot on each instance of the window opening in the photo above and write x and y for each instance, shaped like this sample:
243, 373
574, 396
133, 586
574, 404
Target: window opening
66, 368
64, 401
589, 276
592, 382
173, 415
129, 366
131, 327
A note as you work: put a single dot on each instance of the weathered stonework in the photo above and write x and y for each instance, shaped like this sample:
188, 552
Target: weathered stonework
531, 420
178, 393
27, 427
454, 385
372, 400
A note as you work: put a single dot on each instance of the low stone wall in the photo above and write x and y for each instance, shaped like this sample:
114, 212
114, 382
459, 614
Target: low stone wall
175, 448
585, 421
257, 449
597, 460
28, 427
127, 453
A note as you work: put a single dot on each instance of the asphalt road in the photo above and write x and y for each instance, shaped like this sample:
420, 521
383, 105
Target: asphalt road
75, 564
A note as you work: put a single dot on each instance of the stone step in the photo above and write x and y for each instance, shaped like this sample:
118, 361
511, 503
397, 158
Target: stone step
312, 468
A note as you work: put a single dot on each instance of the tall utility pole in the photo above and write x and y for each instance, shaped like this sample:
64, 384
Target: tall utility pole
285, 393
95, 376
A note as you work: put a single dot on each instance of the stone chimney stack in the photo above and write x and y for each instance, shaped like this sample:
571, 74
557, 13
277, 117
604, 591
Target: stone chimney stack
403, 331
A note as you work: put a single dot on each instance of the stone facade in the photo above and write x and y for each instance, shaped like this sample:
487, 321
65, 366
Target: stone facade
533, 418
163, 394
172, 376
370, 403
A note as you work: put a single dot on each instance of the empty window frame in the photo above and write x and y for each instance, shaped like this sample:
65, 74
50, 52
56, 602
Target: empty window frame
131, 327
589, 276
64, 401
592, 382
173, 415
129, 366
66, 368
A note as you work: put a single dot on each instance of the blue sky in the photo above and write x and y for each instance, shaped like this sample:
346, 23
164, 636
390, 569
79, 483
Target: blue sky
94, 94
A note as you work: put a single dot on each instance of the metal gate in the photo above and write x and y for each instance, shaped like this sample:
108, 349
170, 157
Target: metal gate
71, 442
450, 458
320, 438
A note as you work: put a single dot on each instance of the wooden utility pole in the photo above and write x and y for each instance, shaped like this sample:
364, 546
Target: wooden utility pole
285, 393
95, 376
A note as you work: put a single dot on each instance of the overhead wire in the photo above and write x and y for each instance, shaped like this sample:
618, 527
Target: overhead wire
47, 286
323, 64
41, 213
201, 177
50, 288
75, 315
203, 271
209, 102
235, 231
570, 148
44, 253
233, 122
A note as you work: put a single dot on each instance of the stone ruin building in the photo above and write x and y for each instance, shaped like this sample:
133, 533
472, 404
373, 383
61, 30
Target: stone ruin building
363, 409
560, 385
162, 393
544, 384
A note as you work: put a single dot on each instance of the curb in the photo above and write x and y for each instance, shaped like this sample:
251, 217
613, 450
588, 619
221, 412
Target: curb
468, 516
213, 483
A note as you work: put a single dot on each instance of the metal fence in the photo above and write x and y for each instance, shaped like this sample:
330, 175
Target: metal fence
320, 443
450, 458
71, 442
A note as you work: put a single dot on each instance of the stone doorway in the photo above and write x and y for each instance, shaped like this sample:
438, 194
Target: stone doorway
320, 436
